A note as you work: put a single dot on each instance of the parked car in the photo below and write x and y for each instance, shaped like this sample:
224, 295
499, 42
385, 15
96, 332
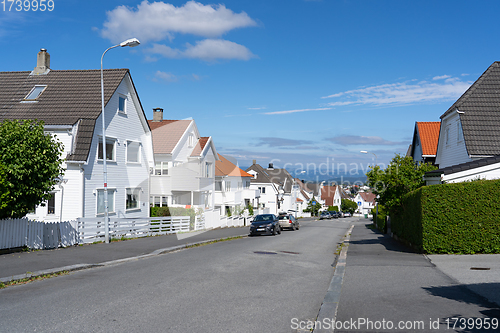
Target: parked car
325, 216
334, 214
347, 214
264, 224
288, 221
341, 214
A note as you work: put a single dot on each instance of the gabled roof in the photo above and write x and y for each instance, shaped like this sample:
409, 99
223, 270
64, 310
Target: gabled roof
224, 167
328, 194
167, 133
479, 112
200, 146
71, 96
428, 132
308, 186
368, 196
272, 175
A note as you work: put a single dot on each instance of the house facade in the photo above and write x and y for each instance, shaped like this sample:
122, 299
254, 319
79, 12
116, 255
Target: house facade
69, 104
232, 188
184, 164
469, 128
425, 140
330, 195
366, 202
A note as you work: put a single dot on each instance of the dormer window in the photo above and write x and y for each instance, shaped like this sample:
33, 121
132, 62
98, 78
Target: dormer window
122, 101
35, 93
191, 140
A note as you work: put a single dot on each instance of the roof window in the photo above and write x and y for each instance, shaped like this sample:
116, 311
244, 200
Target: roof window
35, 93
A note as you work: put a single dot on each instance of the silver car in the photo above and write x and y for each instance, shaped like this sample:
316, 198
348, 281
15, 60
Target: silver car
289, 222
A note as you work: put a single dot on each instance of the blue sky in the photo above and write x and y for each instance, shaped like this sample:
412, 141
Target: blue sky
293, 82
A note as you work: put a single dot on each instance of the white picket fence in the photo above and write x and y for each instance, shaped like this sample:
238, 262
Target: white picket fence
92, 229
211, 219
37, 235
16, 233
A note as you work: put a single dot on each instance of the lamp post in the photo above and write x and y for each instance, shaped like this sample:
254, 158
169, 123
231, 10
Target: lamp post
129, 42
366, 152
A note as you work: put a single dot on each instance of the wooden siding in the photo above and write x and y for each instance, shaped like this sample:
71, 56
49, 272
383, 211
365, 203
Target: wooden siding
121, 175
454, 152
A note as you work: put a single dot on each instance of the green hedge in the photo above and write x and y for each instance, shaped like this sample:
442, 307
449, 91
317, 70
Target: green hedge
380, 221
451, 218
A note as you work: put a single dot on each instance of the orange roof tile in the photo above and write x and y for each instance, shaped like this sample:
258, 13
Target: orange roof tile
429, 136
226, 168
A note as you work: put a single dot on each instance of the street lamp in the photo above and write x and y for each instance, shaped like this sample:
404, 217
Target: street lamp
129, 42
366, 152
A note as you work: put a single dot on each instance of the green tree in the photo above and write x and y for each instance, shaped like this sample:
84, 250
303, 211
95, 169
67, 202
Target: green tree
349, 206
4, 189
333, 208
32, 165
313, 208
401, 176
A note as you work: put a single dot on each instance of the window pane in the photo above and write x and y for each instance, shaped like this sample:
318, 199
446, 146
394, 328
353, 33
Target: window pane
100, 201
51, 205
132, 198
110, 146
218, 186
158, 168
121, 104
132, 151
35, 93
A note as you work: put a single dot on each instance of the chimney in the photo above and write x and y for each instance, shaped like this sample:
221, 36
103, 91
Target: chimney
270, 166
157, 114
254, 161
42, 63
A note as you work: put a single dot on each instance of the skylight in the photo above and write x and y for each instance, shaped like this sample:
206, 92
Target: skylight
35, 92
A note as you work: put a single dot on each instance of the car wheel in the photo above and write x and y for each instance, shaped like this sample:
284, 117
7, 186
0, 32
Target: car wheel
293, 227
274, 231
298, 226
279, 230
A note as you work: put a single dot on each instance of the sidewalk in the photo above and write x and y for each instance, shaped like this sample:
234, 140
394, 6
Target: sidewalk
385, 281
14, 266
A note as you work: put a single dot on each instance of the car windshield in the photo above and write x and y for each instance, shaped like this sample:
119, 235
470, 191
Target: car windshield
263, 218
284, 217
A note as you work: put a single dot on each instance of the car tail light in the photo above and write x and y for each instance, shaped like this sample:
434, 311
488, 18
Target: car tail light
289, 221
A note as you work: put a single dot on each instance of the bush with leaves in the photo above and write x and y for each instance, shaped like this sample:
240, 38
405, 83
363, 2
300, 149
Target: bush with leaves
348, 206
400, 177
32, 165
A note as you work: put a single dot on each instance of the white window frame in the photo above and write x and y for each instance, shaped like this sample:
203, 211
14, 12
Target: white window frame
109, 141
111, 203
208, 170
124, 98
53, 199
219, 189
227, 186
129, 142
32, 90
191, 140
133, 191
162, 170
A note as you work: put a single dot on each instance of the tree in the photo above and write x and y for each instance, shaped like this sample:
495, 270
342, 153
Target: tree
4, 189
32, 165
349, 206
313, 208
401, 176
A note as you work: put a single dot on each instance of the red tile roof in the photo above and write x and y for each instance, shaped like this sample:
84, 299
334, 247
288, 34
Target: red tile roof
328, 194
224, 167
429, 136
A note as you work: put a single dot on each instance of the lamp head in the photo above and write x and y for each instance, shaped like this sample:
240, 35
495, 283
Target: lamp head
130, 42
364, 151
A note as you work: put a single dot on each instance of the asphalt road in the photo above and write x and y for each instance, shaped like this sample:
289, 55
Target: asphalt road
257, 284
388, 288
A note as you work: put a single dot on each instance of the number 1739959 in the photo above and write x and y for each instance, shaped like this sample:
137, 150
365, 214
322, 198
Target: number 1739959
27, 5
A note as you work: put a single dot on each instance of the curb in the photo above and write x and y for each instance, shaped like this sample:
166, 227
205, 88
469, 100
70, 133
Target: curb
78, 267
328, 311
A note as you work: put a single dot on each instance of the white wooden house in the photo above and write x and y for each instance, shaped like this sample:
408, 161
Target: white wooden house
69, 103
184, 169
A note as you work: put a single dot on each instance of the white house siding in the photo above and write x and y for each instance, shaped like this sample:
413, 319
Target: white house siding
69, 190
454, 151
120, 174
491, 171
417, 151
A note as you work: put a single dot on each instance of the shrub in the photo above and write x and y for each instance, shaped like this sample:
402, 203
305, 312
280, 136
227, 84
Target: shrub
333, 208
173, 211
451, 218
380, 218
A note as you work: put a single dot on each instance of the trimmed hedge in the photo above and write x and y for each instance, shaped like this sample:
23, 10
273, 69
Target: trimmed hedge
451, 218
173, 211
380, 221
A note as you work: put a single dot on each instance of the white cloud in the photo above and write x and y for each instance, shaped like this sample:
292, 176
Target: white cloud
441, 77
295, 111
207, 49
158, 21
403, 93
169, 77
